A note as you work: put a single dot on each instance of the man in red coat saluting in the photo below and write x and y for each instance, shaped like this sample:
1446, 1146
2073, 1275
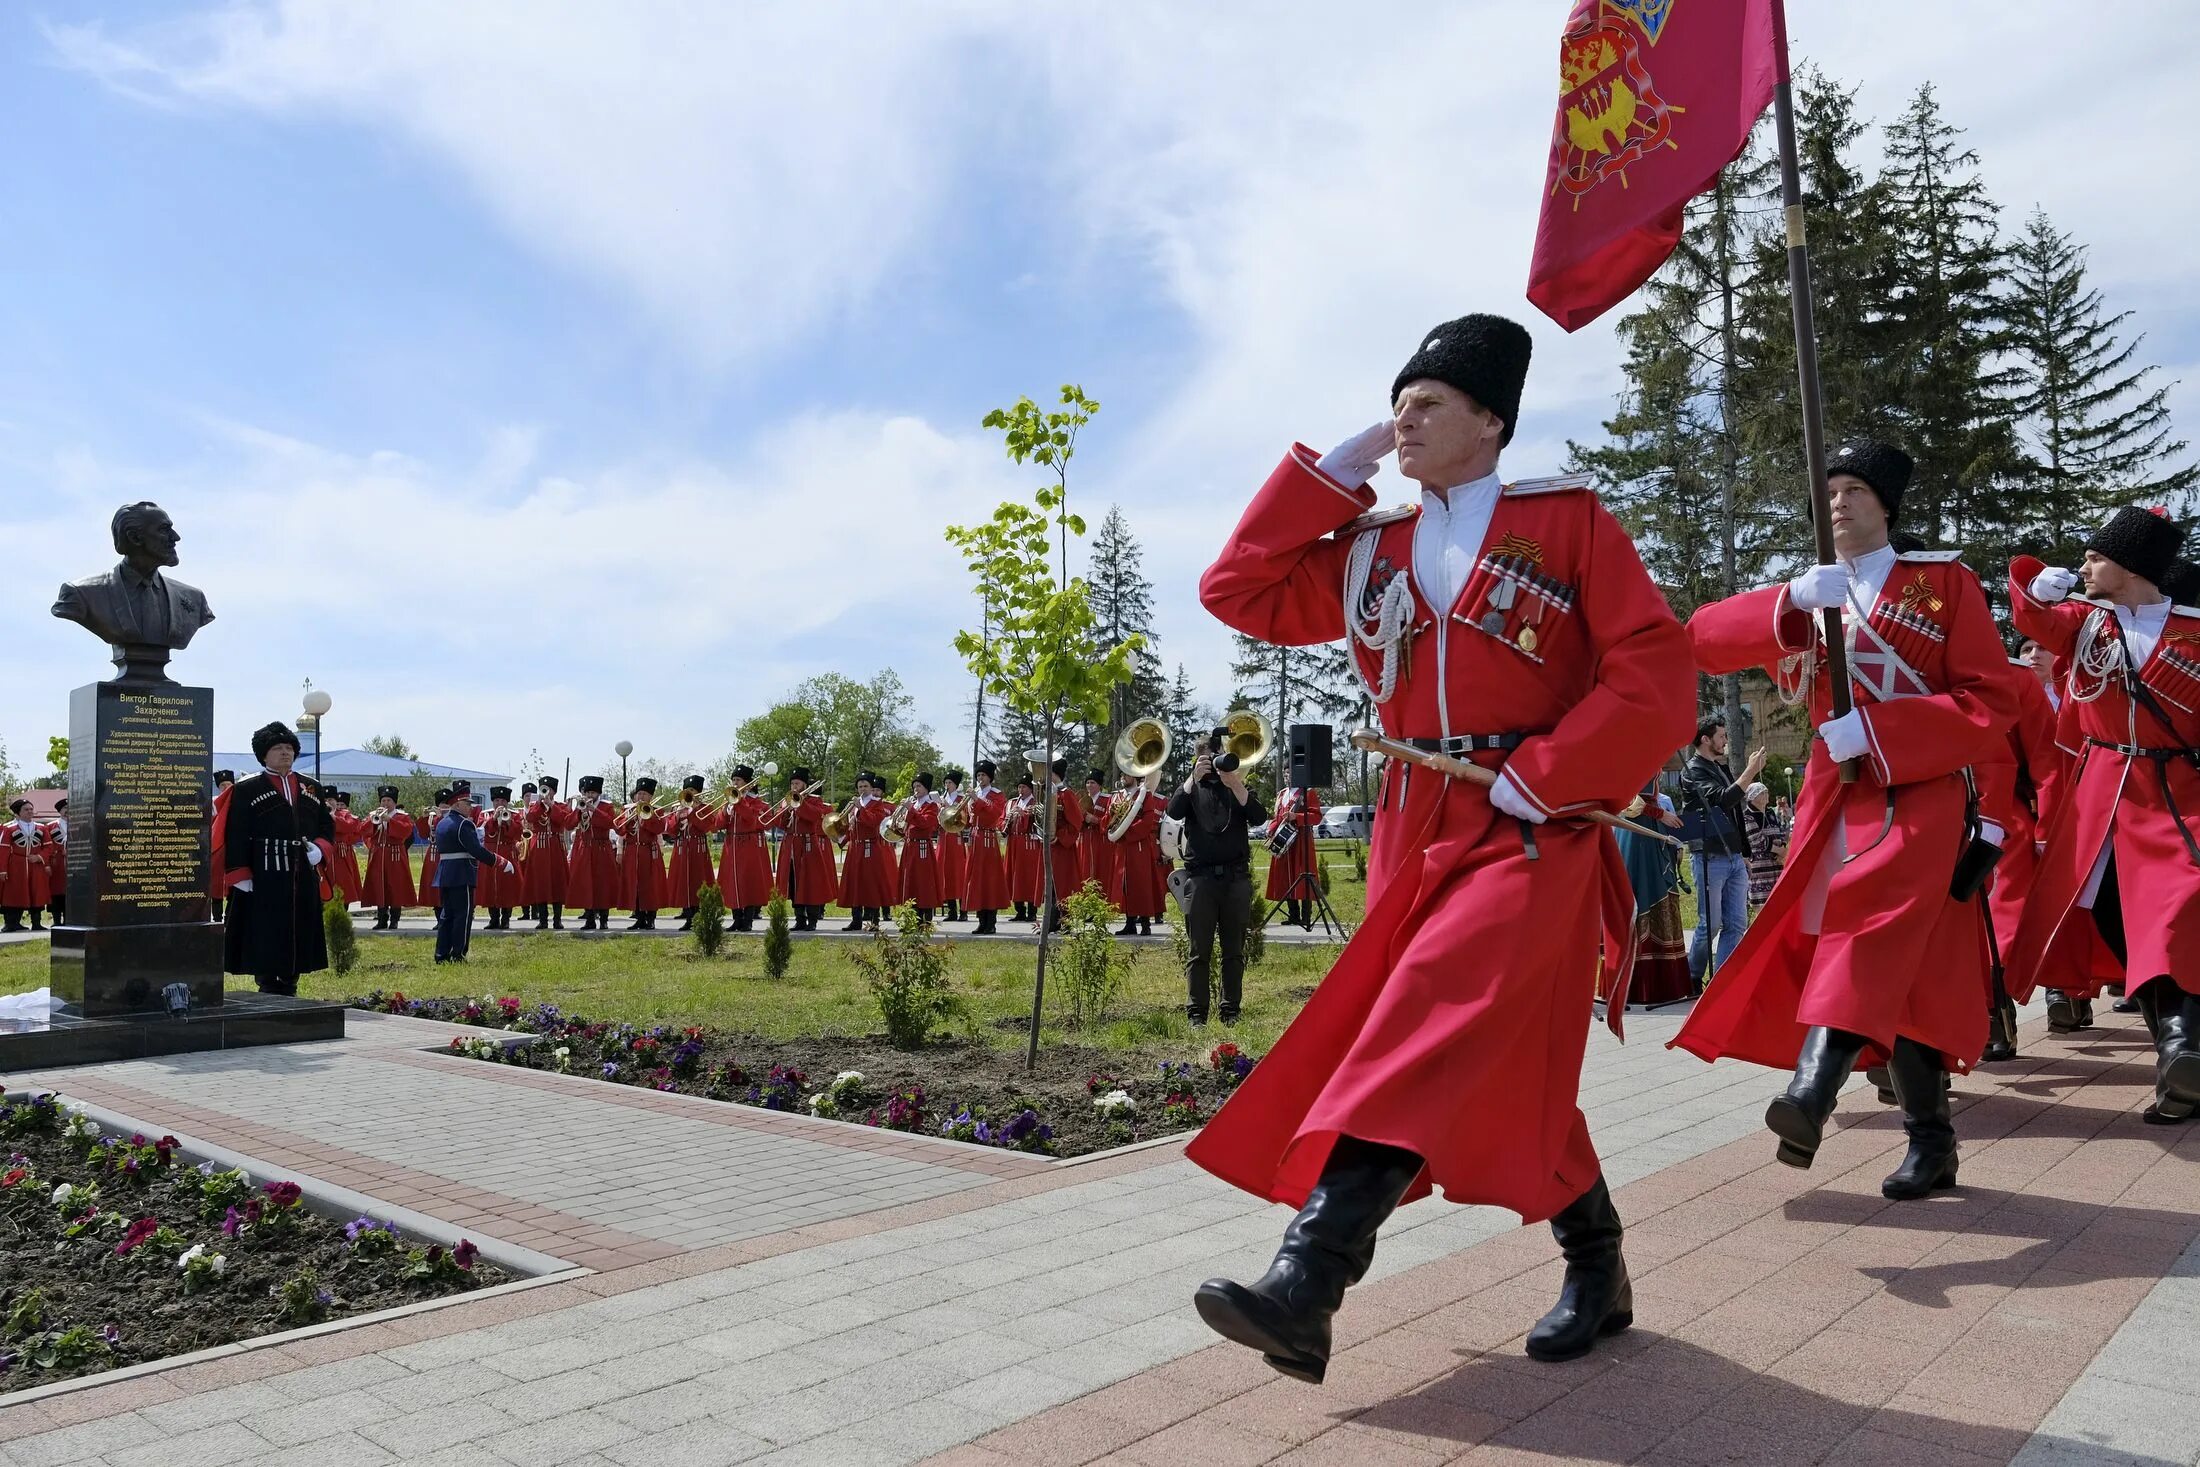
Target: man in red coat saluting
1513, 626
1864, 948
2121, 862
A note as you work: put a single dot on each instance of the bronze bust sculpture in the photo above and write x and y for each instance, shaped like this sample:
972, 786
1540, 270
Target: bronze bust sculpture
142, 614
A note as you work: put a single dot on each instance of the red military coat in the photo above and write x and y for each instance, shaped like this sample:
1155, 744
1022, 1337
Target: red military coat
642, 858
954, 847
430, 859
1141, 877
503, 832
985, 880
217, 881
1069, 827
1302, 808
869, 877
744, 866
545, 869
807, 873
1026, 839
24, 879
2016, 782
2142, 809
923, 874
1095, 852
57, 859
1869, 863
592, 866
389, 878
1453, 1023
687, 832
343, 867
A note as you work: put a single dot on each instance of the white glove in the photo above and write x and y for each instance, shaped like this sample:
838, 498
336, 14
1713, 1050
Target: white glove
1506, 796
1819, 587
2053, 584
313, 854
244, 885
509, 869
1845, 737
1354, 461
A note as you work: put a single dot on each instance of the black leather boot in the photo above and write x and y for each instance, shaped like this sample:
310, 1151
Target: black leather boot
1285, 1313
1129, 928
1799, 1117
1145, 927
1920, 1080
557, 917
1883, 1083
1596, 1299
2063, 1013
2176, 1027
2001, 1032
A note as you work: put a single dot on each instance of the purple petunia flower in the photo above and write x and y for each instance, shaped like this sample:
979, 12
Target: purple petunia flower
232, 1224
110, 1334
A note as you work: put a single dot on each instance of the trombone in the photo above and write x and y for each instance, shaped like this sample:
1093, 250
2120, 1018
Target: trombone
735, 789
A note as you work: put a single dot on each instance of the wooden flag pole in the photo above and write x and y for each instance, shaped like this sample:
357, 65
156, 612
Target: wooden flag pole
1806, 365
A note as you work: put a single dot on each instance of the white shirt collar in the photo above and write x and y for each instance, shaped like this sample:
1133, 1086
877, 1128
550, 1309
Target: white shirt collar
1870, 572
1448, 538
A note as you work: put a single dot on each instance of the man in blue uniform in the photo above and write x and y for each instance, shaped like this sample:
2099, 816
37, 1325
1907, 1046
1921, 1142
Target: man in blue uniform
458, 846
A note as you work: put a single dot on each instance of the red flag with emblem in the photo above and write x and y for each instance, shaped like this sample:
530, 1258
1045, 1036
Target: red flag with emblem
1655, 97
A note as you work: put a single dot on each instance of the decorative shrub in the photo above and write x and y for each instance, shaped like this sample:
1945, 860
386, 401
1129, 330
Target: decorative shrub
907, 974
343, 938
710, 919
1091, 967
778, 943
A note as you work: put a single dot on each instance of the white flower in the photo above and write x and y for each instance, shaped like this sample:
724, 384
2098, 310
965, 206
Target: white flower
63, 1193
190, 1253
206, 1169
79, 1126
207, 1262
1114, 1101
846, 1080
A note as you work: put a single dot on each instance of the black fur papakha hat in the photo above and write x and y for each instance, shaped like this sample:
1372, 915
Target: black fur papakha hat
500, 792
692, 782
2181, 582
987, 767
385, 791
1486, 357
924, 777
743, 773
591, 784
225, 776
445, 795
2142, 541
1882, 465
268, 737
801, 772
462, 789
645, 784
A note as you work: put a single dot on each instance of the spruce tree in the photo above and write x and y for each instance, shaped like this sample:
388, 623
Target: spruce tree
1280, 683
1189, 721
2098, 435
1122, 605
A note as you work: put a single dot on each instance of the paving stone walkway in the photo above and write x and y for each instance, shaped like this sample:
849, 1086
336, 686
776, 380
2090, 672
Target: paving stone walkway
939, 1303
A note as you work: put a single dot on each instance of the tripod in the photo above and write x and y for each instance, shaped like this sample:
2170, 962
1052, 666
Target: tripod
1307, 887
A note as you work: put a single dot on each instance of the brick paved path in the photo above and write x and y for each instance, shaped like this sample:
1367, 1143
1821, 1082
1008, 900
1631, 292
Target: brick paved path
1043, 1317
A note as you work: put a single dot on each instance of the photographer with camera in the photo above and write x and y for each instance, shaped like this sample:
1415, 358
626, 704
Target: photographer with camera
1216, 892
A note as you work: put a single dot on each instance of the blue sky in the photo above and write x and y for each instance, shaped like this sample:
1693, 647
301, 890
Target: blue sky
541, 375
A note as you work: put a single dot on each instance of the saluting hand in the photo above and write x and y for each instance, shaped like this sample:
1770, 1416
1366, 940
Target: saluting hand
2053, 584
1354, 461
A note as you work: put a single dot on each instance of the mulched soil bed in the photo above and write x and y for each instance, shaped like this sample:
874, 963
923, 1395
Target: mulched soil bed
964, 1091
94, 1281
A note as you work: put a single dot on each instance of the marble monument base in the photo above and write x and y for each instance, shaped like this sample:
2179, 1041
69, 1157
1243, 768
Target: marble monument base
243, 1020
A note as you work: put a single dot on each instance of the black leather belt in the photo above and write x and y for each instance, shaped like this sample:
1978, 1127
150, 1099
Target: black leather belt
1219, 868
1471, 743
2141, 751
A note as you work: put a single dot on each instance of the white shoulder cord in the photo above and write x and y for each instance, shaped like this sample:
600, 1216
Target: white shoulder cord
2100, 658
1382, 625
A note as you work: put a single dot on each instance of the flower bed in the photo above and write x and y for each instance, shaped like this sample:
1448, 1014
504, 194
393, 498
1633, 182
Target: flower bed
114, 1252
1078, 1101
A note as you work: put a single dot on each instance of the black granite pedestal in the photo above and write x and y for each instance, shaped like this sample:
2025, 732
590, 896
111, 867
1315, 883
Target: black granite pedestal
245, 1019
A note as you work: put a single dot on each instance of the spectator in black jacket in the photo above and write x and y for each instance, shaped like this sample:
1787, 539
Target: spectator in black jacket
1721, 857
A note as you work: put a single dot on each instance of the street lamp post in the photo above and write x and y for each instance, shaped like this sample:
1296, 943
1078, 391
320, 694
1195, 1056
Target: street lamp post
623, 748
317, 705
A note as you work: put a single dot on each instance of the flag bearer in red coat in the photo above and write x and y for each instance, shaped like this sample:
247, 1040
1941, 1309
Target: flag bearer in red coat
1069, 826
642, 856
922, 878
954, 843
1863, 950
1027, 853
687, 831
550, 822
24, 884
807, 873
501, 884
1291, 876
1095, 852
2122, 866
985, 881
744, 865
217, 883
1514, 626
389, 881
592, 866
1141, 880
869, 881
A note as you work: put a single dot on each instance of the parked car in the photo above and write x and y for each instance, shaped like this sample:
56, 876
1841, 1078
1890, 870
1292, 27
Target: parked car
1347, 822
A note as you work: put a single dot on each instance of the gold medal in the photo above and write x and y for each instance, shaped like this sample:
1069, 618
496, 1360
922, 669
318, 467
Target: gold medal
1527, 639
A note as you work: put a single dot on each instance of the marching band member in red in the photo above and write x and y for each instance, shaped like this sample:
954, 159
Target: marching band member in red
2016, 786
501, 885
687, 832
1863, 946
807, 873
744, 865
24, 883
2121, 867
985, 881
1302, 811
641, 859
57, 862
431, 859
1095, 852
1141, 882
341, 871
592, 866
922, 879
954, 844
868, 881
1026, 853
1069, 826
217, 883
550, 822
1515, 627
389, 881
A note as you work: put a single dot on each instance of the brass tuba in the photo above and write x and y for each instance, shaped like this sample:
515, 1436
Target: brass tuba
836, 821
1140, 750
1247, 738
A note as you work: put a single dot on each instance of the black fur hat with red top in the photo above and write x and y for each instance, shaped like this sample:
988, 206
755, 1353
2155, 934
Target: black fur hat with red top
2142, 541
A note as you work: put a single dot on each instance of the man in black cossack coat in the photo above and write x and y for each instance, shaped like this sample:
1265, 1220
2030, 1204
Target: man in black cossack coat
278, 830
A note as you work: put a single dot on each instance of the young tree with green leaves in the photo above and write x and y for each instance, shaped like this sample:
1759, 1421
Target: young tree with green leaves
1044, 656
390, 746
